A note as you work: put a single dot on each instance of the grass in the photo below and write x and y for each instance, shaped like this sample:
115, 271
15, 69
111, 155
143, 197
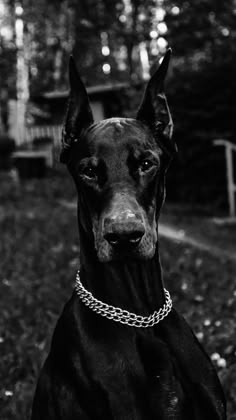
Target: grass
201, 225
39, 258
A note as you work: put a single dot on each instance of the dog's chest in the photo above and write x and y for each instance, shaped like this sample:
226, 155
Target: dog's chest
138, 381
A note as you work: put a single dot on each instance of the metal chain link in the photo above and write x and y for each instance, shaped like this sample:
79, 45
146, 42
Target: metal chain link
121, 315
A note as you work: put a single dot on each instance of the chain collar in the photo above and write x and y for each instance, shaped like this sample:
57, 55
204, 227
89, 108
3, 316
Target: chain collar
121, 315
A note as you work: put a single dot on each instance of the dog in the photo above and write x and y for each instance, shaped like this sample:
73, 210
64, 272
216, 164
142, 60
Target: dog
119, 350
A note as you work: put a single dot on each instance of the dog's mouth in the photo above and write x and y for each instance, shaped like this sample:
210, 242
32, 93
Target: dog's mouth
136, 245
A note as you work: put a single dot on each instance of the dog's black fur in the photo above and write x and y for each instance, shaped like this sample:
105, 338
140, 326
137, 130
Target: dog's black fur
97, 368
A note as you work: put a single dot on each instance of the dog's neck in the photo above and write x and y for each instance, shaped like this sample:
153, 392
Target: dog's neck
134, 285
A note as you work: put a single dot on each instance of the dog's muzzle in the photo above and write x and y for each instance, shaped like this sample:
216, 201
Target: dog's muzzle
123, 228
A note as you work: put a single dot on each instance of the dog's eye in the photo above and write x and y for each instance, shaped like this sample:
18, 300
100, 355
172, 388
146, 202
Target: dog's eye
90, 172
146, 165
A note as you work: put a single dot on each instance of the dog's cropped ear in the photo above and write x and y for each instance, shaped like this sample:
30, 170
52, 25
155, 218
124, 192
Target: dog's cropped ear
154, 110
79, 115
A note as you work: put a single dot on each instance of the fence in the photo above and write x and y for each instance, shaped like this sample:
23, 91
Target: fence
44, 131
231, 186
51, 150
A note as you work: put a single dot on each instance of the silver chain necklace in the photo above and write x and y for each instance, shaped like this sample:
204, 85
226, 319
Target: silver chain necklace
121, 315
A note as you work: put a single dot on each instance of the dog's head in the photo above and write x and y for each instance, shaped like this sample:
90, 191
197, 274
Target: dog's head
119, 167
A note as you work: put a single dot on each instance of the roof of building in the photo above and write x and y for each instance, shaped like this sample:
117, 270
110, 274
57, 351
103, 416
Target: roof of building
111, 87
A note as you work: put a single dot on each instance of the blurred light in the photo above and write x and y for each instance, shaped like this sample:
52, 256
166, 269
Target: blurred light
161, 59
128, 6
34, 71
200, 335
119, 6
154, 48
51, 41
221, 363
141, 17
225, 32
207, 322
162, 28
6, 33
160, 14
19, 26
215, 356
2, 9
184, 285
144, 60
19, 10
104, 37
105, 50
106, 68
121, 57
8, 393
162, 43
153, 34
122, 18
175, 10
123, 52
122, 66
212, 17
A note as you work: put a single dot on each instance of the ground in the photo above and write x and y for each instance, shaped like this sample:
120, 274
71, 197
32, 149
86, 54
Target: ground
39, 259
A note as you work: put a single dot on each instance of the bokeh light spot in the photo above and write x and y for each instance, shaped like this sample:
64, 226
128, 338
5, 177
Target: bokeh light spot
106, 68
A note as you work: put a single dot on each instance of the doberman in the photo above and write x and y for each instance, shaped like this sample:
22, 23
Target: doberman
119, 350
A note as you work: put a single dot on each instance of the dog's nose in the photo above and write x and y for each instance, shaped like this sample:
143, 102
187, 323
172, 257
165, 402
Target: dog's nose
124, 229
124, 238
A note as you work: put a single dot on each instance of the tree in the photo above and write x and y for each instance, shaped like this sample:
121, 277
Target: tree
202, 94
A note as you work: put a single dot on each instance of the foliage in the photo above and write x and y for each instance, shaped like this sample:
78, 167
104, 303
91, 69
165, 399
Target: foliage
207, 29
39, 258
49, 35
201, 87
202, 93
201, 32
53, 31
121, 25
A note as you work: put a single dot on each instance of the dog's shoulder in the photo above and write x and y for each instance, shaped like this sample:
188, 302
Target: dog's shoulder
199, 374
67, 325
